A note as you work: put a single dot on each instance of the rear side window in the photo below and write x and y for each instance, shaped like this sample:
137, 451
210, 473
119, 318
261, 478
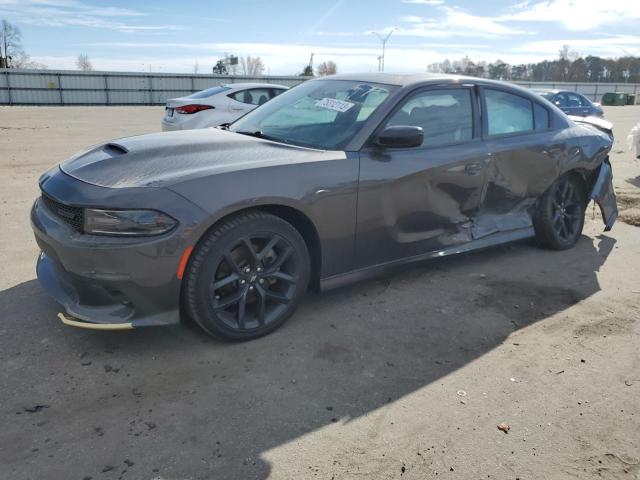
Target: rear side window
255, 96
445, 116
208, 92
541, 117
508, 113
560, 100
574, 100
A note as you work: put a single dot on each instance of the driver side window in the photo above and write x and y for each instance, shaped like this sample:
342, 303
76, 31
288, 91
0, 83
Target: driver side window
445, 115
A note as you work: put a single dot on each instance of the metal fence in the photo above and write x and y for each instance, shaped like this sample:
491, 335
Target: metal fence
67, 87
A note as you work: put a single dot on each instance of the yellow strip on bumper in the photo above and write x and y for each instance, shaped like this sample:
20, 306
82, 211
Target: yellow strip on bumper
93, 326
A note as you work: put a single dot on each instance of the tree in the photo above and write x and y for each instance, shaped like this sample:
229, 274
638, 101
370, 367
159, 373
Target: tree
12, 54
251, 65
327, 68
84, 63
499, 70
10, 44
307, 71
196, 67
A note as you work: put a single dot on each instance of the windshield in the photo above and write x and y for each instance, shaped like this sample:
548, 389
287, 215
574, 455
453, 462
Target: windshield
323, 114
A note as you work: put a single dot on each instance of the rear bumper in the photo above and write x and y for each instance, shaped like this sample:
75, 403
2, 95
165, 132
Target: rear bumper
170, 126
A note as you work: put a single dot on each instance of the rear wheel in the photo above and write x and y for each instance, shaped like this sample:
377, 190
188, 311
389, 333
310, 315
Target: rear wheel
247, 276
559, 218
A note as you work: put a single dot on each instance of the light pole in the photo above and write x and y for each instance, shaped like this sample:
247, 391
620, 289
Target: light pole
383, 39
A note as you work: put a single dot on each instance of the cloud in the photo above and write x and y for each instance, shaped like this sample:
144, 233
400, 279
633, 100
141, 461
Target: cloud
424, 2
455, 22
576, 15
280, 59
411, 19
64, 13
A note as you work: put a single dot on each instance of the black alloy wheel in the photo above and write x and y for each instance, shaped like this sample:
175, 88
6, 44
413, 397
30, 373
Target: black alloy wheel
247, 277
559, 219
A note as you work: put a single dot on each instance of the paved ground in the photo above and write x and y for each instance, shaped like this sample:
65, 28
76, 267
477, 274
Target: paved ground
406, 376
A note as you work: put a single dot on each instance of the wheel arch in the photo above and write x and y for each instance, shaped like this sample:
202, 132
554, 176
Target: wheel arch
585, 177
294, 216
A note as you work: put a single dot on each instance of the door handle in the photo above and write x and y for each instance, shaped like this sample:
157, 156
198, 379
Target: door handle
473, 168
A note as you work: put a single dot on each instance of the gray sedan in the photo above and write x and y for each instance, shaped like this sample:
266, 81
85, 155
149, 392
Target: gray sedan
335, 180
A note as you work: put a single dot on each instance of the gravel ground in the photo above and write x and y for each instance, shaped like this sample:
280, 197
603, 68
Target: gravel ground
407, 376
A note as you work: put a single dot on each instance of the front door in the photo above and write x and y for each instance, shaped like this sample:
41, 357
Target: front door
417, 200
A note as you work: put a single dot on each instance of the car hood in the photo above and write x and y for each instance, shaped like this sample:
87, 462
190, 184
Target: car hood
163, 159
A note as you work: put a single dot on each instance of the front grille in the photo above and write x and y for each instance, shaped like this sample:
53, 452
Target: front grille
72, 216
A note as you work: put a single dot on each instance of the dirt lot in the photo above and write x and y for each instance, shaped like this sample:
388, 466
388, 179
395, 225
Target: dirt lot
406, 376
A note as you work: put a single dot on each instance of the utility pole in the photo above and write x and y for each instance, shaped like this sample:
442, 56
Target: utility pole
383, 39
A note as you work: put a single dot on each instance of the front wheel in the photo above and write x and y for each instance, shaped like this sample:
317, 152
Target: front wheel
247, 276
559, 217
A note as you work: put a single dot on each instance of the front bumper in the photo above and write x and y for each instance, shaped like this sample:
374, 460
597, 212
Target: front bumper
126, 282
103, 301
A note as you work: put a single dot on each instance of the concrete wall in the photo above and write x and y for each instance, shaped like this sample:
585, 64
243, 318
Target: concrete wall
68, 87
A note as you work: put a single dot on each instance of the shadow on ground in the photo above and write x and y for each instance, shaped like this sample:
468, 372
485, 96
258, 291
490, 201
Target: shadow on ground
171, 402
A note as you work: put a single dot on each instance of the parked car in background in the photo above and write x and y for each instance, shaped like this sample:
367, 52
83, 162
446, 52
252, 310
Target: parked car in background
572, 103
217, 105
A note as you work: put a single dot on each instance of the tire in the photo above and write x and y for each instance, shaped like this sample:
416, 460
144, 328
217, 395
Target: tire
559, 216
247, 276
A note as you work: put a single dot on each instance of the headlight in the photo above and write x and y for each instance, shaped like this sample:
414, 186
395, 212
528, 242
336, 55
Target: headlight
126, 222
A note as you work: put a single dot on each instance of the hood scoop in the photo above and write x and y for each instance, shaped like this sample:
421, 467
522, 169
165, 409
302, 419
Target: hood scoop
114, 149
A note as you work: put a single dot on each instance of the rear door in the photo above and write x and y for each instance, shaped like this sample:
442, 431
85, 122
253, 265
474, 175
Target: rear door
525, 159
417, 200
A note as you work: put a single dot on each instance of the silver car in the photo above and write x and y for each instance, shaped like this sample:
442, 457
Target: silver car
217, 105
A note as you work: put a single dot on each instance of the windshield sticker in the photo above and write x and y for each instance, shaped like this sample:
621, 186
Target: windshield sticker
333, 104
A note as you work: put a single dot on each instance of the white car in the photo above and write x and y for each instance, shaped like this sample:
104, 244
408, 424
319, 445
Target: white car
216, 106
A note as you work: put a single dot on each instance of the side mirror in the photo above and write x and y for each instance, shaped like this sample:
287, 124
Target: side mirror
400, 136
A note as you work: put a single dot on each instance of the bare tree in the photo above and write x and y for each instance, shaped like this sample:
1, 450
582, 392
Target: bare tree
10, 44
251, 65
327, 68
84, 63
12, 55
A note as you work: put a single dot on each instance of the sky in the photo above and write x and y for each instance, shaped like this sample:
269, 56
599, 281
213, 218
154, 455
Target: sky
171, 36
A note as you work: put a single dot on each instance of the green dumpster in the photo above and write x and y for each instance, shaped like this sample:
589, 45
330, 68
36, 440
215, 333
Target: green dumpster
631, 99
614, 98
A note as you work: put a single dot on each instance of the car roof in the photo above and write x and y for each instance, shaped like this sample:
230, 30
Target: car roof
254, 85
546, 90
409, 80
399, 79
